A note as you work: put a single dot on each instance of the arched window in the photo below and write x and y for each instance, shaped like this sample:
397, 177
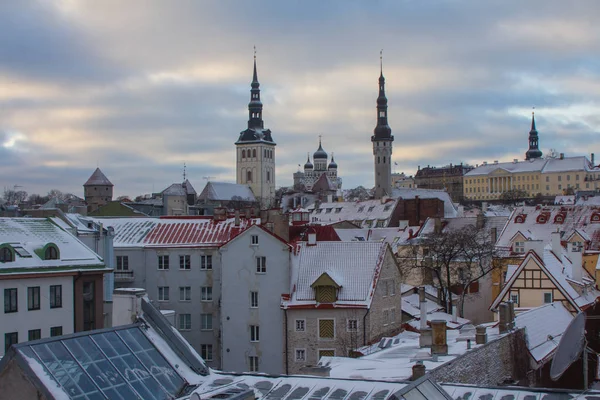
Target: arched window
243, 153
384, 158
51, 253
6, 254
249, 176
378, 160
254, 153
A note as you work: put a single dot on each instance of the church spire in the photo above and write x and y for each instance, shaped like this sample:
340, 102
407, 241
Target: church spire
255, 105
382, 130
534, 151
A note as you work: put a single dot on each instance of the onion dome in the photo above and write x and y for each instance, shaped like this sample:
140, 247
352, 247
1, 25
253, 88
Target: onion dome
320, 153
332, 164
308, 164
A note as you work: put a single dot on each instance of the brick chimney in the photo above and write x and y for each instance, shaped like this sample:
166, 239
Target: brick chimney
480, 335
418, 371
439, 343
506, 316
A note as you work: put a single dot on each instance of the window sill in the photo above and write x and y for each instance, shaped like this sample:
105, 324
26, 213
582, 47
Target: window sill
206, 269
185, 301
33, 309
206, 301
163, 269
261, 273
184, 330
163, 301
52, 308
11, 312
206, 330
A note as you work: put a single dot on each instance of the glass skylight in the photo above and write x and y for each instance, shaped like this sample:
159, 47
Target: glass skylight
121, 364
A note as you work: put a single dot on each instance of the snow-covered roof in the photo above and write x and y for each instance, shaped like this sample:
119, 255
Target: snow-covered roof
573, 217
175, 189
450, 210
363, 213
388, 235
223, 191
544, 326
98, 179
464, 392
173, 232
564, 200
454, 224
356, 264
29, 236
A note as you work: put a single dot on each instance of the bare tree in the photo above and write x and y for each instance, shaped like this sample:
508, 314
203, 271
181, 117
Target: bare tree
357, 194
454, 259
514, 196
14, 197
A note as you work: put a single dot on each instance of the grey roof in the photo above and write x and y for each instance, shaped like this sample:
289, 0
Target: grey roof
98, 179
450, 210
188, 187
176, 189
543, 165
222, 191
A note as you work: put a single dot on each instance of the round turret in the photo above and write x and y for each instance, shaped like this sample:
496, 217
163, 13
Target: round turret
320, 153
332, 164
308, 164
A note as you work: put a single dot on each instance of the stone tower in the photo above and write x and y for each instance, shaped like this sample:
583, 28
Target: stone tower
382, 145
98, 190
255, 151
534, 151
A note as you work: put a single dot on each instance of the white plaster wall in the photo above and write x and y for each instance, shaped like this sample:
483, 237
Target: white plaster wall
44, 318
239, 278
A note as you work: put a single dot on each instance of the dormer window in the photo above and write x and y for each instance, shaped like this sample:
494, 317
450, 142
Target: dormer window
361, 208
51, 253
337, 210
6, 254
595, 217
559, 219
326, 289
371, 208
519, 219
519, 247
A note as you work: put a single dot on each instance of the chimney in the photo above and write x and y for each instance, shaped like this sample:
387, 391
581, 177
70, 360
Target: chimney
536, 245
312, 237
575, 256
439, 344
494, 234
480, 221
127, 305
454, 315
484, 206
330, 198
237, 217
592, 159
506, 314
515, 160
418, 371
422, 308
562, 156
437, 225
511, 315
480, 335
555, 241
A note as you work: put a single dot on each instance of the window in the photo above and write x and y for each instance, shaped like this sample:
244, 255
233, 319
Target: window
352, 325
34, 334
56, 296
254, 152
10, 300
300, 355
254, 333
206, 322
568, 177
206, 293
122, 263
261, 265
51, 253
547, 179
248, 176
327, 353
300, 325
392, 315
185, 262
10, 339
559, 178
254, 239
206, 351
252, 363
268, 176
6, 255
371, 208
361, 209
33, 298
163, 293
253, 299
163, 261
185, 293
519, 247
243, 153
326, 328
56, 331
185, 322
386, 317
548, 298
514, 297
206, 262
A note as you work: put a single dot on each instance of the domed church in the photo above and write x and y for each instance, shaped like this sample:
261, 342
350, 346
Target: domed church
314, 170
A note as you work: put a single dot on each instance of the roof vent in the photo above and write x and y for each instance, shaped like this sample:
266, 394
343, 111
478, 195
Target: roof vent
485, 163
495, 161
515, 160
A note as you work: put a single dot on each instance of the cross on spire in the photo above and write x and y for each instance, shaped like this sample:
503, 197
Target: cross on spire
381, 61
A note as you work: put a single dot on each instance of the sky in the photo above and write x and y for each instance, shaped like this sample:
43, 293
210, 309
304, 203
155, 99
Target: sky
138, 88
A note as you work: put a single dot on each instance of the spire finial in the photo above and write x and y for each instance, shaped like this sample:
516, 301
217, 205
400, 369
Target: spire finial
254, 53
533, 118
381, 61
184, 171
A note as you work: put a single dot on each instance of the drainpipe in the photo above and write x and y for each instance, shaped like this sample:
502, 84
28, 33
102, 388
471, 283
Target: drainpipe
287, 353
365, 327
79, 274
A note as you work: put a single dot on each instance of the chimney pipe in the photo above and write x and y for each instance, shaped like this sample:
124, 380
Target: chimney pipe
454, 315
562, 156
575, 255
556, 246
312, 238
418, 371
480, 335
237, 217
593, 159
536, 245
503, 313
439, 343
422, 308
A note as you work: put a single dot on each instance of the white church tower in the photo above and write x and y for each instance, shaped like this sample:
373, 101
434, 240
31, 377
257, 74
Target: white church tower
255, 151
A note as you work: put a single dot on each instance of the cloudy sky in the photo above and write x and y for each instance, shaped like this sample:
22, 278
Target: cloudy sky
140, 87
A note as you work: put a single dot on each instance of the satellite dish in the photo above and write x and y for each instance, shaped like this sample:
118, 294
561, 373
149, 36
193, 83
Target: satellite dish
570, 347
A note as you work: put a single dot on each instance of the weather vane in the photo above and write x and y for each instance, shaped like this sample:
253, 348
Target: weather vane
255, 52
381, 60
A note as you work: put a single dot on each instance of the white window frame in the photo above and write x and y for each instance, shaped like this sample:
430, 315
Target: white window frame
254, 240
186, 291
319, 328
122, 263
254, 333
186, 265
161, 262
349, 323
386, 317
253, 363
520, 247
204, 322
206, 352
511, 295
206, 293
301, 352
261, 264
300, 323
204, 262
551, 297
253, 299
185, 322
161, 293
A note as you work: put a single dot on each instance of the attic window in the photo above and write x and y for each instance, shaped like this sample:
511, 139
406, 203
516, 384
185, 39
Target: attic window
361, 208
519, 247
559, 219
387, 208
371, 208
541, 219
21, 251
325, 294
328, 210
519, 219
595, 217
338, 209
6, 254
51, 253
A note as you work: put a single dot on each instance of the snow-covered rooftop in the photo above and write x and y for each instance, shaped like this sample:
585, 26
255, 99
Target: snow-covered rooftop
223, 191
98, 179
367, 214
543, 165
450, 210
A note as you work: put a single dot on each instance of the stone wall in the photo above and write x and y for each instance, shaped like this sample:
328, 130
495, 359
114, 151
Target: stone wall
504, 359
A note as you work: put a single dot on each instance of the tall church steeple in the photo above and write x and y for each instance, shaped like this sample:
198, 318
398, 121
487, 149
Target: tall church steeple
534, 151
382, 142
255, 148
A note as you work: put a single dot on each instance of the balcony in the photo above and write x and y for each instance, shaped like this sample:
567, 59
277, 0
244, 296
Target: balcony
124, 276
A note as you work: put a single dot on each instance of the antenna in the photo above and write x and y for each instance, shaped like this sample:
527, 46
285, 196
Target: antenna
208, 178
571, 344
